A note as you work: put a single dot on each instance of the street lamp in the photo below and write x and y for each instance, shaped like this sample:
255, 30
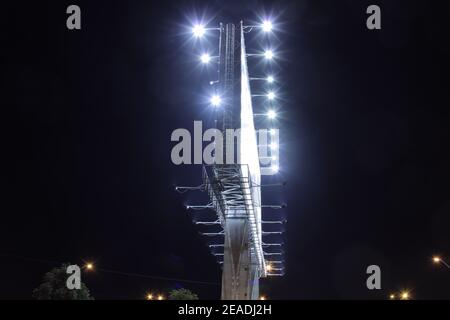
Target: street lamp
160, 297
216, 100
198, 31
267, 26
268, 54
149, 296
404, 295
437, 260
271, 95
271, 114
205, 58
89, 266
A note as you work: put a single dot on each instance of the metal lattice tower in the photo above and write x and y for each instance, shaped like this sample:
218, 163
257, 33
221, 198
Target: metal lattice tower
241, 269
234, 187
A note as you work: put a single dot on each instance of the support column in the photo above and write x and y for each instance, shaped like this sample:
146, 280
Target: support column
238, 280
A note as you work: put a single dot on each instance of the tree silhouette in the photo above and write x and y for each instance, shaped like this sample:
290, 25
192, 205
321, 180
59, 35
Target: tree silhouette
182, 294
54, 287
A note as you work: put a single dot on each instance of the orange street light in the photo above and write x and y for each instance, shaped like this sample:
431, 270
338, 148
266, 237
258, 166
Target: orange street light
438, 259
405, 295
89, 266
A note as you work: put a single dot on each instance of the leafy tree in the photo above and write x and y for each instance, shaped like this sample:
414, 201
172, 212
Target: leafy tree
182, 294
54, 287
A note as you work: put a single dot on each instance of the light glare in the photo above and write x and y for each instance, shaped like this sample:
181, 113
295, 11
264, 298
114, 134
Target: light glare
271, 95
271, 114
216, 100
205, 58
270, 79
267, 26
268, 54
198, 31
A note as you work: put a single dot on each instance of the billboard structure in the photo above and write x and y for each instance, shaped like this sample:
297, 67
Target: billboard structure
234, 184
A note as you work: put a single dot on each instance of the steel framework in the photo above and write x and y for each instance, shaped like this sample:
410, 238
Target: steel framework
234, 188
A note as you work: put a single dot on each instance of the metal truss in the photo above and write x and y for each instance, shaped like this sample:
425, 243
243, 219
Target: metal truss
230, 189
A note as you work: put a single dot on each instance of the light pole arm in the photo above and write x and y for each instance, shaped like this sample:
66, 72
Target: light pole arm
445, 264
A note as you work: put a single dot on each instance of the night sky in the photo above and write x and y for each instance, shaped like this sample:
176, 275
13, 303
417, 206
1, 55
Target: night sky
87, 117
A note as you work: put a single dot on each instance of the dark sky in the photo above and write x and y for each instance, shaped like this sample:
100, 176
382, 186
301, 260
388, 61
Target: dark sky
87, 119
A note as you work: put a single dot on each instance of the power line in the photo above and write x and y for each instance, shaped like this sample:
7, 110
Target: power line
158, 277
130, 274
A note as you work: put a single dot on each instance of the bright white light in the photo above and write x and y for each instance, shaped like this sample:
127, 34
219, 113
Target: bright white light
273, 146
205, 58
274, 158
271, 95
270, 79
268, 54
267, 26
272, 131
275, 168
272, 114
216, 100
198, 31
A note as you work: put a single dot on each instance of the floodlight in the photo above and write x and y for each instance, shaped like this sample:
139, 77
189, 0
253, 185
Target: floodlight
270, 79
271, 95
272, 131
205, 58
275, 168
198, 30
267, 26
271, 114
215, 100
268, 54
273, 146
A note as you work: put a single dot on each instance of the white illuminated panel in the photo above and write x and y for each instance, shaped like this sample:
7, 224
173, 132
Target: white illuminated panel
249, 157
